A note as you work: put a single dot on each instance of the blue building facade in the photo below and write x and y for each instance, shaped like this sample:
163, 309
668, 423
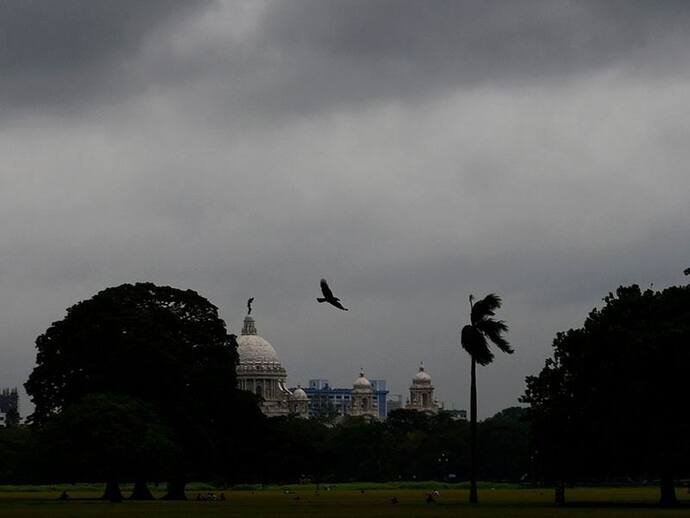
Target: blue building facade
380, 397
325, 400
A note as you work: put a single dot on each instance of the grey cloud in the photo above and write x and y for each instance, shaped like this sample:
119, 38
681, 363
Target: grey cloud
62, 52
329, 53
477, 40
296, 57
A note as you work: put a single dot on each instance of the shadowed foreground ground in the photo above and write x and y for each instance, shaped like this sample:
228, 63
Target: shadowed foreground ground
347, 501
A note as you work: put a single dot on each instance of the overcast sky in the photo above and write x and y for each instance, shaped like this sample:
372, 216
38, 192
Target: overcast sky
411, 152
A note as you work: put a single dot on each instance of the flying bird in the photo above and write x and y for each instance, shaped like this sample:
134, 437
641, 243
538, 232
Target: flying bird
329, 297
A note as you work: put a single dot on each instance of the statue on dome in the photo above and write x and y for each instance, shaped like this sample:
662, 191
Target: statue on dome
249, 305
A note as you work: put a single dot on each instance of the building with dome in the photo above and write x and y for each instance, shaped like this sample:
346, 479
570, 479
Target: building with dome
260, 372
327, 402
300, 403
422, 393
363, 402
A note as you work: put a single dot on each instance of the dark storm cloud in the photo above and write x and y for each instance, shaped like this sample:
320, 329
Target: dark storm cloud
305, 55
54, 52
477, 40
331, 52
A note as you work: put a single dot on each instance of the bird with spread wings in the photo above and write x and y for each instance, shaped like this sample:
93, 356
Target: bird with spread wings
329, 297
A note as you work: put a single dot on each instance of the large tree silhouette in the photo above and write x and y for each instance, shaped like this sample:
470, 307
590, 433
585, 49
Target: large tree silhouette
475, 338
161, 345
609, 402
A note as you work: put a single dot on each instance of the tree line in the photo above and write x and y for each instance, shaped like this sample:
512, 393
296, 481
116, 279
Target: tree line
113, 438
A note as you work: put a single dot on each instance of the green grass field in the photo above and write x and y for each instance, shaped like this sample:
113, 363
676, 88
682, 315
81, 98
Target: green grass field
345, 500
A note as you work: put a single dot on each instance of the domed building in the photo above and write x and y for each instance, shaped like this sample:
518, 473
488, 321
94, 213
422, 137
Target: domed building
363, 402
422, 393
300, 402
259, 371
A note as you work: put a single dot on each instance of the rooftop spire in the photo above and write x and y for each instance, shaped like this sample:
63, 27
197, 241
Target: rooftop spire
249, 327
421, 366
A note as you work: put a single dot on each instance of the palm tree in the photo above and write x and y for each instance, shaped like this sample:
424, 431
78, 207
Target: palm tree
475, 338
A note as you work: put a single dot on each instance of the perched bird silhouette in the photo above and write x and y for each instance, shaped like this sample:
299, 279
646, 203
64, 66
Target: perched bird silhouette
329, 297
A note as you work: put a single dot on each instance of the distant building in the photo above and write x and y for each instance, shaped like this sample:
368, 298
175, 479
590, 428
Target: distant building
326, 401
422, 393
9, 406
259, 371
364, 398
457, 415
9, 401
363, 402
300, 403
381, 397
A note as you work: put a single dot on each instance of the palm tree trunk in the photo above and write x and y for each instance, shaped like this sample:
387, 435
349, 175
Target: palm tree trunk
473, 435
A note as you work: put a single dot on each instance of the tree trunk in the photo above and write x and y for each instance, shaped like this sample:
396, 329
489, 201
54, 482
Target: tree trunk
560, 493
112, 491
668, 491
473, 435
141, 491
176, 489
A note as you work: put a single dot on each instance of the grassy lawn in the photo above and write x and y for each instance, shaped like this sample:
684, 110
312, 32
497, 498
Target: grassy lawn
345, 501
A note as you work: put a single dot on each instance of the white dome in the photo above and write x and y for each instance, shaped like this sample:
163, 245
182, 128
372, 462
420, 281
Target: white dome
254, 349
421, 378
299, 394
361, 382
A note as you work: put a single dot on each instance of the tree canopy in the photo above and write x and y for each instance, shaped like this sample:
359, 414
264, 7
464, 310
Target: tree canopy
610, 402
164, 345
160, 345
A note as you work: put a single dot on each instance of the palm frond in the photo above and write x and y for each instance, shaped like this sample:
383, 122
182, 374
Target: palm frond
485, 308
474, 342
494, 329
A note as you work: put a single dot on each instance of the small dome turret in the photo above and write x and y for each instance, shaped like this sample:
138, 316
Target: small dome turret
422, 377
299, 394
361, 382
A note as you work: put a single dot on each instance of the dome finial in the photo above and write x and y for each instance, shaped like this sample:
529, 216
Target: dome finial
249, 326
421, 366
